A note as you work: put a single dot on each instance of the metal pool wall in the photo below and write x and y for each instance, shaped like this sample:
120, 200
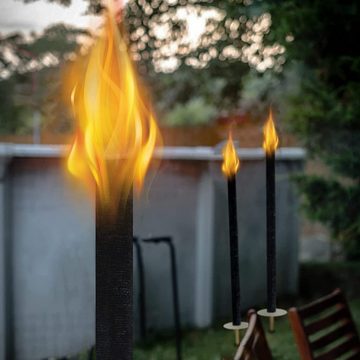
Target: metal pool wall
47, 239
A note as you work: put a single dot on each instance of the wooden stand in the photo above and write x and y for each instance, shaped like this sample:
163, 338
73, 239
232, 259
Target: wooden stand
236, 329
272, 315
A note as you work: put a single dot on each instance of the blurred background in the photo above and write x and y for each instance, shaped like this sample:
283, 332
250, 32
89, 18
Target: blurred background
208, 65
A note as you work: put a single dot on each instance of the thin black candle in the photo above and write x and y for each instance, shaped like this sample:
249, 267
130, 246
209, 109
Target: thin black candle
116, 136
270, 144
234, 251
114, 271
271, 232
230, 167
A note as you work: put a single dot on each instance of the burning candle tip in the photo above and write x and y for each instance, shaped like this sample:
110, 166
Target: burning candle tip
271, 139
116, 128
231, 161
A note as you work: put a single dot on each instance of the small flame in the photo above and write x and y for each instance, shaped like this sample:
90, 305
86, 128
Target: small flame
271, 140
231, 162
116, 128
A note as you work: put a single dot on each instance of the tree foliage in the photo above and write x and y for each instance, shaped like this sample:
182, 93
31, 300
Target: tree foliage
232, 42
195, 112
177, 65
31, 79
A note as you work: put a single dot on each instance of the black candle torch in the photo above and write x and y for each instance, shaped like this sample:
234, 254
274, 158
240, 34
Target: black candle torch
230, 166
270, 145
113, 147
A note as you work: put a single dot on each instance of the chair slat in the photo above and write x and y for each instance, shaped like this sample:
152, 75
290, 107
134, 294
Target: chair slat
328, 320
320, 305
253, 344
301, 339
342, 331
355, 355
339, 350
339, 337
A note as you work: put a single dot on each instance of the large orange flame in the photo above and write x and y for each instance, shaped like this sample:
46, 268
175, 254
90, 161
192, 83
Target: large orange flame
271, 140
231, 162
116, 129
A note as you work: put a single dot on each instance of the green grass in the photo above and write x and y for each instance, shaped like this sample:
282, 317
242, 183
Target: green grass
212, 344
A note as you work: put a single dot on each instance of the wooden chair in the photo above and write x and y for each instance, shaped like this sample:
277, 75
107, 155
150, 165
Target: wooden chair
325, 330
253, 345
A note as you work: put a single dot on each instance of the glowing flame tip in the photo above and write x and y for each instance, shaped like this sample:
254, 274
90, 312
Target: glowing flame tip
116, 129
271, 140
231, 161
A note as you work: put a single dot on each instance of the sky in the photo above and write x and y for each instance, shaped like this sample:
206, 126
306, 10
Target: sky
15, 15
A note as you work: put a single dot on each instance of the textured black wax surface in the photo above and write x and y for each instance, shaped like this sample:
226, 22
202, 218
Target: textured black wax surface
114, 284
234, 252
270, 232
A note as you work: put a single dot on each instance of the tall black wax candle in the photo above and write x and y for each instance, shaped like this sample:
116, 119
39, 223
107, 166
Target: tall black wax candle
114, 282
234, 251
115, 139
230, 166
270, 144
270, 232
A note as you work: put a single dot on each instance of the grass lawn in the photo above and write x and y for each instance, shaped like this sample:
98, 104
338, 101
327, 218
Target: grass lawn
213, 343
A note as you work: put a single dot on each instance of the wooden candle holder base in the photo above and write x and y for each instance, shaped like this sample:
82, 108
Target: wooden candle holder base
272, 315
236, 329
